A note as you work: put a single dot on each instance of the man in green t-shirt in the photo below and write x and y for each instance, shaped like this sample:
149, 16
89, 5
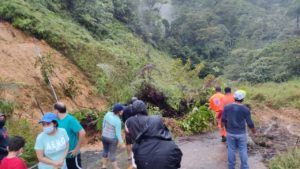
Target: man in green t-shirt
75, 132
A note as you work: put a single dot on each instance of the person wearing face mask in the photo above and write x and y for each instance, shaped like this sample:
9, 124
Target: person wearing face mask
3, 137
15, 147
52, 144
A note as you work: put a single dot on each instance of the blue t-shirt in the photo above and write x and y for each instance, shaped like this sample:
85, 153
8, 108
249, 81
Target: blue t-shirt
54, 147
235, 117
72, 126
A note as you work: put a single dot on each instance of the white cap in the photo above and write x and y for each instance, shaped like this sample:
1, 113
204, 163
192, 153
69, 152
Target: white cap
239, 95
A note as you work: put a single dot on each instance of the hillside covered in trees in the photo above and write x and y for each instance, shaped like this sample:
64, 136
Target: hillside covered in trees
249, 40
246, 40
169, 53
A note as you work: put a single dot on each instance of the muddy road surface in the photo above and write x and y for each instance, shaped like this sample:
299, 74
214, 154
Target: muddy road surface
199, 152
207, 152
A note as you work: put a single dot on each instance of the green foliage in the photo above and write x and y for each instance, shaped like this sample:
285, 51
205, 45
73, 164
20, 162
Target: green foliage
86, 116
264, 94
218, 33
153, 110
46, 64
23, 128
289, 160
71, 89
198, 121
7, 107
83, 114
100, 120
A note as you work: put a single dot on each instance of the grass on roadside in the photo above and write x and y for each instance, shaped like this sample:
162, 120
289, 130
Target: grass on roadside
289, 160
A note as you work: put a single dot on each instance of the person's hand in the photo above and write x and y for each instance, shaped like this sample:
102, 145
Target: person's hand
74, 152
58, 164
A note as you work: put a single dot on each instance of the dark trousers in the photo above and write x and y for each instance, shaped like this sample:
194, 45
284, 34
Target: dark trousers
109, 148
74, 162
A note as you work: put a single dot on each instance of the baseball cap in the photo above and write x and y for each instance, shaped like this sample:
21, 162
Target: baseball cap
48, 117
239, 95
117, 107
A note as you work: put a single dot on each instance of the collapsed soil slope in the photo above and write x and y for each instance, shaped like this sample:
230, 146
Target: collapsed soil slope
21, 80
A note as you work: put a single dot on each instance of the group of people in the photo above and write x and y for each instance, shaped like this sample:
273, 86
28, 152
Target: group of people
232, 117
57, 146
148, 140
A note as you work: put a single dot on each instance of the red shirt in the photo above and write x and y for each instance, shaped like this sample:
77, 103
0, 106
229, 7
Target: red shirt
12, 163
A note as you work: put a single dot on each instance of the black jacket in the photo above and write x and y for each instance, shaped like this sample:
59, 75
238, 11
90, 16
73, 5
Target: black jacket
153, 147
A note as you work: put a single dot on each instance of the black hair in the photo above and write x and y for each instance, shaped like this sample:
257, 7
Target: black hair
16, 143
227, 90
240, 101
218, 89
55, 123
61, 108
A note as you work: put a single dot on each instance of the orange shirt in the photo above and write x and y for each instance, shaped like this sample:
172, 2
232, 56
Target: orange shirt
216, 102
228, 99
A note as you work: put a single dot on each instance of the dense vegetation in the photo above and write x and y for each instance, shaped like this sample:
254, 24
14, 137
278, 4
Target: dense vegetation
114, 58
127, 48
246, 40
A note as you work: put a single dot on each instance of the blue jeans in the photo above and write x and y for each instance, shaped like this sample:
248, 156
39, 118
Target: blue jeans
239, 141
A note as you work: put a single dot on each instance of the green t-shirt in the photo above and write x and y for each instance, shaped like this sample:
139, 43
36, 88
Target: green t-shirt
72, 126
53, 146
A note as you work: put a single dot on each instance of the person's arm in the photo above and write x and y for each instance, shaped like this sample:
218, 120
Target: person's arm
77, 128
43, 159
104, 121
81, 137
250, 122
126, 127
66, 151
118, 131
39, 150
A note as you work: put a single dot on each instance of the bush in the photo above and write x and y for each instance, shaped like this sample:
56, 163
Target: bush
289, 160
7, 107
198, 121
86, 117
71, 89
23, 128
100, 120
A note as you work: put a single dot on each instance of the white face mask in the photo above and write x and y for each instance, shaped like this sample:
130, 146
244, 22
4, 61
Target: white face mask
48, 130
